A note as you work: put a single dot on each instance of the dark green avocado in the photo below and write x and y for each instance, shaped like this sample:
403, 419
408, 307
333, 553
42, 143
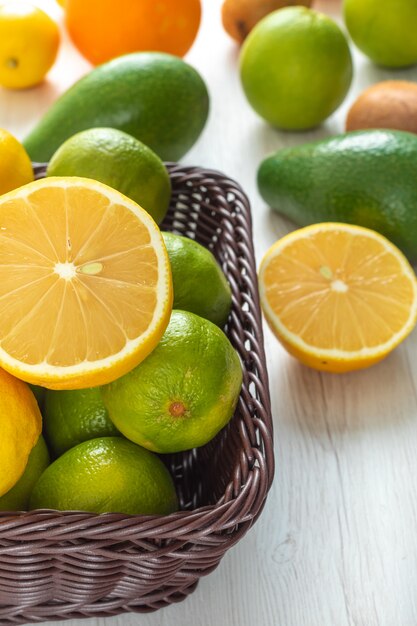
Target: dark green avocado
157, 98
368, 178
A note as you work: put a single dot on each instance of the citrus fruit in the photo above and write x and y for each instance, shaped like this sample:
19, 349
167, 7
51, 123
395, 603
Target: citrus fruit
86, 288
120, 161
183, 393
29, 41
17, 498
199, 283
106, 475
20, 427
73, 416
383, 31
339, 297
240, 16
16, 167
295, 68
155, 97
104, 29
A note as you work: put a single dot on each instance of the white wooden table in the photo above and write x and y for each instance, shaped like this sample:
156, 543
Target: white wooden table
337, 542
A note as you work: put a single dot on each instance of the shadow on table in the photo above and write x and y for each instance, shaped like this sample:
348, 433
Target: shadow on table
377, 398
24, 105
370, 74
265, 139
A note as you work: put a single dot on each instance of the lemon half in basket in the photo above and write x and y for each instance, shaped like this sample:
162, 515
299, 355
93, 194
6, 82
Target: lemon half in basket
85, 283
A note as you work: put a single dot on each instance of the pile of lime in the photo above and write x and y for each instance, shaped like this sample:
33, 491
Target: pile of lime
103, 440
100, 448
97, 448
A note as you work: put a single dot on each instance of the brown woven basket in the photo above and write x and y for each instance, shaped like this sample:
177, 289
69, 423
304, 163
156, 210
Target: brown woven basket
61, 565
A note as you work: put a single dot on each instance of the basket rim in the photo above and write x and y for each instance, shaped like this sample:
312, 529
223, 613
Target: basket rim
234, 511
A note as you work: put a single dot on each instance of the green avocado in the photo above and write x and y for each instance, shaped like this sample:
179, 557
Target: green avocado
368, 178
157, 98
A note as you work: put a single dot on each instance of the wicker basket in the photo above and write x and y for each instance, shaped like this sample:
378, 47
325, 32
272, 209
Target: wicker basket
61, 565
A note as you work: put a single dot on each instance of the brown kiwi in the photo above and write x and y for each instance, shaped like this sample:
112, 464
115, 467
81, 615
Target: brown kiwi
391, 104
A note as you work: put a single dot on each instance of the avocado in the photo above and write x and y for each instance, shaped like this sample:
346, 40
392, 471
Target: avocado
368, 178
157, 98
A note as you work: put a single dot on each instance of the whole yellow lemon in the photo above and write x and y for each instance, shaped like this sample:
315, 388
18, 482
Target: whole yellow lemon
20, 427
16, 167
29, 41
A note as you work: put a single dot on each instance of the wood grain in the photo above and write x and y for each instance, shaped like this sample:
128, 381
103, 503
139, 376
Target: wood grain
336, 544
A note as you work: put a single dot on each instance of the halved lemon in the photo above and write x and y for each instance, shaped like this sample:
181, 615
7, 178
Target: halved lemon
85, 283
339, 297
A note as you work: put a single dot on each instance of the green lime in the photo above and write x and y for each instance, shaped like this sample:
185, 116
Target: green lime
106, 475
384, 31
296, 68
71, 417
17, 499
199, 283
183, 393
118, 160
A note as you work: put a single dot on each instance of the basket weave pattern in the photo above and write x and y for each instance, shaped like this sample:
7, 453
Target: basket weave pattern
61, 565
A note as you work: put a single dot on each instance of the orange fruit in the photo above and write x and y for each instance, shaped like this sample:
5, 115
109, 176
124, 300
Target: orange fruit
85, 283
29, 42
104, 29
339, 297
240, 16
